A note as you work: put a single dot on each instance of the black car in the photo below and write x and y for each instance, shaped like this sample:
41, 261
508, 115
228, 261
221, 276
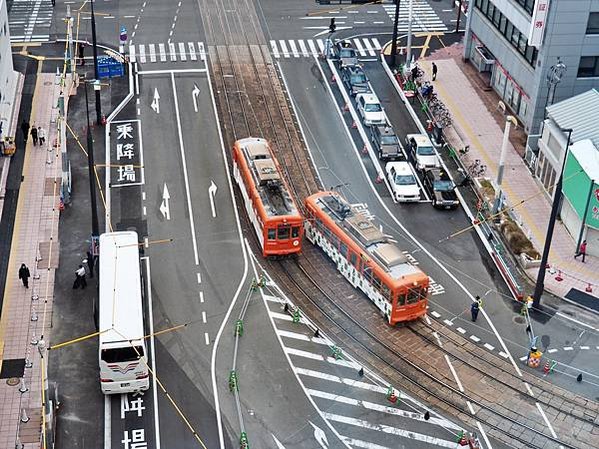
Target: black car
385, 142
440, 188
355, 80
345, 54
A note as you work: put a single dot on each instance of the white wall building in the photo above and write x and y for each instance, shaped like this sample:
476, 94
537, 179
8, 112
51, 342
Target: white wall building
8, 77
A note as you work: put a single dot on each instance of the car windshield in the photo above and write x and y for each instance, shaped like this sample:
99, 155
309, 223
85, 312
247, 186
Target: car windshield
443, 185
426, 151
405, 180
347, 53
372, 107
358, 78
389, 140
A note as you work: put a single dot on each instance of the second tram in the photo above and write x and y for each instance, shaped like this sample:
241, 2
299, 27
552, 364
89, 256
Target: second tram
366, 257
268, 202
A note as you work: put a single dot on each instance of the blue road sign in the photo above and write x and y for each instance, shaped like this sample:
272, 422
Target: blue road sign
123, 34
109, 67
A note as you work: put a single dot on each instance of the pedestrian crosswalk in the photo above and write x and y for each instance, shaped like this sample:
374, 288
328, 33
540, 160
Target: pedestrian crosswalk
298, 48
167, 52
353, 400
424, 18
30, 20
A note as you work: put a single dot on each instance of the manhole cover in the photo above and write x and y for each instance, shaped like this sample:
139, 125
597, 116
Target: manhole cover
519, 320
12, 381
47, 83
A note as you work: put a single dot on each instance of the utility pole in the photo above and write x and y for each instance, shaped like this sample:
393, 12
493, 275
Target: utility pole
96, 74
509, 120
90, 167
557, 195
457, 25
409, 44
394, 41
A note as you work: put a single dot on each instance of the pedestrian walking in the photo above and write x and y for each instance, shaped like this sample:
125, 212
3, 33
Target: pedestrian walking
582, 251
25, 130
475, 308
41, 135
34, 134
81, 52
24, 275
80, 278
434, 71
91, 261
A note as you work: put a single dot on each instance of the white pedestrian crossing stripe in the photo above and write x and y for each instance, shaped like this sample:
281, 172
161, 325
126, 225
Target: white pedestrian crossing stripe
300, 48
424, 18
165, 52
29, 21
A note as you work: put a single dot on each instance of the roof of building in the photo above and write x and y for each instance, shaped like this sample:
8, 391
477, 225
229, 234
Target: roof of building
580, 113
587, 156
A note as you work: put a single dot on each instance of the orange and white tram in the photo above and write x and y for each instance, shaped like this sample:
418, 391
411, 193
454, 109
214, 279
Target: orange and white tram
268, 202
367, 258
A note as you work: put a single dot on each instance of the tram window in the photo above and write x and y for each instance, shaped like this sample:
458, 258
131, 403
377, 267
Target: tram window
386, 292
401, 299
272, 234
413, 295
343, 249
295, 232
283, 232
353, 259
368, 274
335, 241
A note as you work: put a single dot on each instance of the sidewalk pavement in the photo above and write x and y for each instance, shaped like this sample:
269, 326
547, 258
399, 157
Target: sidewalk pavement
27, 313
475, 125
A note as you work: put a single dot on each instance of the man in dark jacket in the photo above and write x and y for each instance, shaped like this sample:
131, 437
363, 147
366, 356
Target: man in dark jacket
24, 275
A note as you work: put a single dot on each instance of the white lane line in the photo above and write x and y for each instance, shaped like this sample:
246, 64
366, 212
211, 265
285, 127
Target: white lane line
474, 338
530, 392
362, 444
162, 52
305, 354
192, 51
523, 358
342, 380
369, 47
144, 208
152, 50
436, 314
132, 53
182, 53
489, 347
377, 23
470, 408
460, 330
284, 48
503, 354
312, 46
302, 46
585, 347
153, 352
552, 350
199, 277
390, 430
302, 337
577, 322
568, 348
172, 51
206, 338
484, 434
142, 53
294, 49
449, 323
201, 296
201, 51
359, 47
454, 374
382, 408
143, 194
275, 50
320, 43
204, 317
185, 175
549, 426
281, 316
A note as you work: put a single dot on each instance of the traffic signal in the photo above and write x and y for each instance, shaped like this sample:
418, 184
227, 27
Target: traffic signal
332, 26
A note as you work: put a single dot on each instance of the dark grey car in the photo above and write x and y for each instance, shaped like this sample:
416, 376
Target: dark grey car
386, 143
345, 54
355, 80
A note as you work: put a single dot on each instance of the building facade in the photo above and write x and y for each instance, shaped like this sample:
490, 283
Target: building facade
8, 77
520, 43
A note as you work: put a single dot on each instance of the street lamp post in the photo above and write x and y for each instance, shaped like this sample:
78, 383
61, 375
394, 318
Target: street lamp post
96, 74
394, 41
557, 194
409, 42
90, 165
509, 120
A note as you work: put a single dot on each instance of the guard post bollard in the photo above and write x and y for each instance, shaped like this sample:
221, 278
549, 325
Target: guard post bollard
336, 352
239, 328
243, 441
233, 385
296, 315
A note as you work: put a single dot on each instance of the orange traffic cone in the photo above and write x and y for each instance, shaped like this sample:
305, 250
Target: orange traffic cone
559, 277
378, 179
589, 289
346, 108
365, 151
354, 125
547, 367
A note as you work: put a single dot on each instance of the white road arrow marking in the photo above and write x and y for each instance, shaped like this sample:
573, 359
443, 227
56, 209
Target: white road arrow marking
164, 206
321, 436
195, 93
279, 445
156, 102
212, 193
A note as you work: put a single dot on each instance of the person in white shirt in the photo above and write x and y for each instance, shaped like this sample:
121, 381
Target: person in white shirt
41, 135
80, 278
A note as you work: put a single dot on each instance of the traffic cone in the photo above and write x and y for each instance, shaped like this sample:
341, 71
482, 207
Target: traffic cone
547, 367
354, 125
333, 79
589, 289
364, 149
24, 417
346, 108
378, 179
559, 277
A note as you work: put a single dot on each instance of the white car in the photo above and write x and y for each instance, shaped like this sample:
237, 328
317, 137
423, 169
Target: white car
403, 181
370, 109
421, 150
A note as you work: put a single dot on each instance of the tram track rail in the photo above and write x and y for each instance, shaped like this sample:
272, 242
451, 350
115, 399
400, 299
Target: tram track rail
506, 424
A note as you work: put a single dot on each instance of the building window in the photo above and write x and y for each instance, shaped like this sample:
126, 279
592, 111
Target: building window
593, 23
528, 5
588, 67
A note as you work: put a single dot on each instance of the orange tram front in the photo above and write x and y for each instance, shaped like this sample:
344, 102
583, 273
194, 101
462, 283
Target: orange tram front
267, 199
366, 257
